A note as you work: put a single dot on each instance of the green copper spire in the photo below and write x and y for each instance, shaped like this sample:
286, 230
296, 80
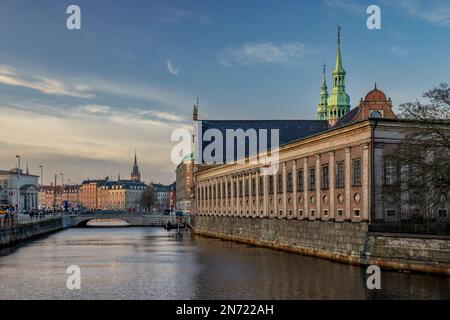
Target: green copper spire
339, 69
338, 101
322, 112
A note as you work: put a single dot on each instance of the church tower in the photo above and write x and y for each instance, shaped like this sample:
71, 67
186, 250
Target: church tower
322, 109
135, 174
339, 100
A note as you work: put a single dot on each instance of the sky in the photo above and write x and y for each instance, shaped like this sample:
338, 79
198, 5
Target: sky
80, 102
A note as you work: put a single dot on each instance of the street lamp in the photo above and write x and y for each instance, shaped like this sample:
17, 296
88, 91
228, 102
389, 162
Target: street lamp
42, 175
18, 187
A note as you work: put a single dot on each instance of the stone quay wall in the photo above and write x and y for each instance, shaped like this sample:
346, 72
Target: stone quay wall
18, 233
338, 241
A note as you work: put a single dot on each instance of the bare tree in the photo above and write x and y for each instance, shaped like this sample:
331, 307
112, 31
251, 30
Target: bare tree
147, 200
423, 158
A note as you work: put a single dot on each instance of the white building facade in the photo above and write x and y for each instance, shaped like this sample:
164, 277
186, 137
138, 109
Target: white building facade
18, 190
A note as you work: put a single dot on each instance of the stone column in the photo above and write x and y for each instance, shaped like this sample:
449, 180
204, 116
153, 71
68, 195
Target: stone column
348, 165
227, 199
305, 188
318, 188
266, 196
284, 189
239, 198
233, 207
275, 195
249, 198
332, 183
257, 195
365, 182
221, 196
294, 190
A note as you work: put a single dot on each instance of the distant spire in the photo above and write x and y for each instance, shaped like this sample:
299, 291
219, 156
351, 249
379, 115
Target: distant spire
375, 85
322, 108
28, 172
324, 80
135, 174
195, 111
118, 174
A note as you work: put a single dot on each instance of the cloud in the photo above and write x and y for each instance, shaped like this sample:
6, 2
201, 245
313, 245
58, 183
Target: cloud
96, 109
436, 12
351, 6
266, 53
399, 51
172, 70
44, 84
98, 133
124, 55
165, 115
171, 15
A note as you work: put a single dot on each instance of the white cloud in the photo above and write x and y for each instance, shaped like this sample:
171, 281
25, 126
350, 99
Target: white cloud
96, 109
399, 51
172, 70
266, 53
176, 15
44, 84
352, 6
436, 12
102, 135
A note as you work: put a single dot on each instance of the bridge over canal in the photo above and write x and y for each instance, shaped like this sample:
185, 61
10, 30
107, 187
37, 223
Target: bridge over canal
130, 218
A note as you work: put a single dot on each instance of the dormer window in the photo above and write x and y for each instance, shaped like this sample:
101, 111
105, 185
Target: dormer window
376, 114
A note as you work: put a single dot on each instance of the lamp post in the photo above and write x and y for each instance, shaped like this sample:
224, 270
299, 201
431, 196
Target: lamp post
42, 174
18, 187
62, 192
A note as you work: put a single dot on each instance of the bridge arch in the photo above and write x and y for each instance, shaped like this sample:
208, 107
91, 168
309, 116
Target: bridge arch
85, 223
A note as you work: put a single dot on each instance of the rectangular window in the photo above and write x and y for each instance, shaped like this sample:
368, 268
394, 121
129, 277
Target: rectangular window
280, 184
300, 180
442, 213
325, 212
340, 212
391, 214
261, 186
235, 189
229, 189
270, 184
289, 182
325, 178
253, 186
390, 172
340, 175
356, 212
356, 173
312, 179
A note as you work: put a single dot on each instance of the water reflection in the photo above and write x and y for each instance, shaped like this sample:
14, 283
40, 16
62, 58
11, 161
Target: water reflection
150, 263
107, 223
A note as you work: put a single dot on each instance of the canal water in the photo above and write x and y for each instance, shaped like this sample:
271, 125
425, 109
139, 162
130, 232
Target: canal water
151, 263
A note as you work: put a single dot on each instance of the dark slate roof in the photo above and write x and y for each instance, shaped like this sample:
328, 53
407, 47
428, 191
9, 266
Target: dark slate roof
123, 184
289, 130
158, 187
347, 118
